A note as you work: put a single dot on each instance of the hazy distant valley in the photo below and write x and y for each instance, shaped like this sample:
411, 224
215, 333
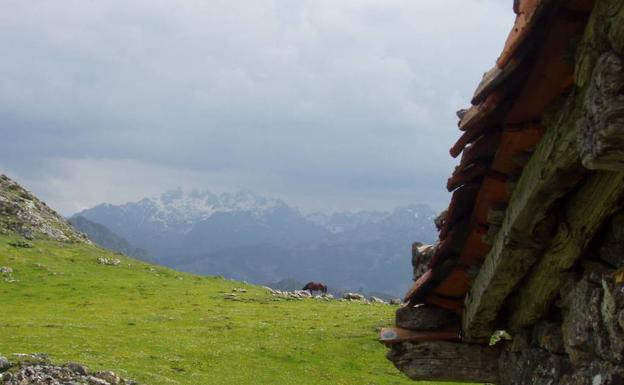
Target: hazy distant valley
258, 239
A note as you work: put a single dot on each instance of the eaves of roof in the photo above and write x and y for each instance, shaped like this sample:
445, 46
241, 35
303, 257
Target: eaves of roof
498, 134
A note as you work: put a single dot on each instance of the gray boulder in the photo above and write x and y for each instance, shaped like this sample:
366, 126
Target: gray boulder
421, 256
77, 368
5, 364
354, 296
110, 377
108, 261
376, 300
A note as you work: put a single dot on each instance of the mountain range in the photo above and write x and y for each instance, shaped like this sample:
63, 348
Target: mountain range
249, 237
104, 237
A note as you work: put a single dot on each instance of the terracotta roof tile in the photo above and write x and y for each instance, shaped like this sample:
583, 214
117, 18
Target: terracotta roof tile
515, 141
475, 249
419, 285
551, 74
478, 121
483, 148
494, 78
452, 245
455, 305
476, 115
460, 207
493, 192
584, 6
455, 285
527, 14
467, 174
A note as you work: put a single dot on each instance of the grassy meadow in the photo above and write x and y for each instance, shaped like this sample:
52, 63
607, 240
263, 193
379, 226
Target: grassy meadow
159, 326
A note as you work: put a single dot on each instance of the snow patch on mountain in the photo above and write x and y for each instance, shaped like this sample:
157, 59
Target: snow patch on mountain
179, 211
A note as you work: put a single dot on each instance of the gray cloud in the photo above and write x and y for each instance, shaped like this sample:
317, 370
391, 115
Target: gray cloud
328, 104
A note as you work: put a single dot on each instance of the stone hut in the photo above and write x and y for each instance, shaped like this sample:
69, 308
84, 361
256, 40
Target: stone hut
526, 282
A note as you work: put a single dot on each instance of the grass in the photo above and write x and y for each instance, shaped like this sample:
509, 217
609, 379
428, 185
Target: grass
159, 326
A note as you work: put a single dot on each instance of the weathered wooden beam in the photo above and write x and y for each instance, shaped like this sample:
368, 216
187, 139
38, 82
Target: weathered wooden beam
446, 361
502, 269
601, 128
490, 236
425, 318
391, 336
586, 211
553, 171
421, 288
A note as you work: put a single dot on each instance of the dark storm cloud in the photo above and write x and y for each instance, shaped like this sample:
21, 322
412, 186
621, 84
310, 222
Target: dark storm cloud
325, 103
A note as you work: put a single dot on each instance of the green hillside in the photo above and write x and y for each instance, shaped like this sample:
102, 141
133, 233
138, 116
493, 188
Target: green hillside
160, 326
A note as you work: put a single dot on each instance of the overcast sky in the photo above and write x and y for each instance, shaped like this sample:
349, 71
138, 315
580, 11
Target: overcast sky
328, 104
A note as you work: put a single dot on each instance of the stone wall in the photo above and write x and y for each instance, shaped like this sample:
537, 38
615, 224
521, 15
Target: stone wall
582, 342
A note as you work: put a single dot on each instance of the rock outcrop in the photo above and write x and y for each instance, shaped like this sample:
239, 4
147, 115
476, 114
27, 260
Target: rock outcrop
421, 256
297, 294
108, 261
304, 294
354, 296
22, 213
36, 369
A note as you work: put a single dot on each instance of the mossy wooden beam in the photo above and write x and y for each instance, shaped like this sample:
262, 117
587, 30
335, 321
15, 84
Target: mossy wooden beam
551, 173
555, 168
588, 208
446, 361
600, 136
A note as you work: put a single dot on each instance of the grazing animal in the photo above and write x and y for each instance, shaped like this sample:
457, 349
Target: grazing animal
315, 286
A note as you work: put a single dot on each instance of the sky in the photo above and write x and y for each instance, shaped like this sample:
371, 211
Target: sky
331, 105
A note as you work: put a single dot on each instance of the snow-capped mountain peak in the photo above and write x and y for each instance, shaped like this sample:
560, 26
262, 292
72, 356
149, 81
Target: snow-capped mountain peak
245, 235
182, 210
198, 205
